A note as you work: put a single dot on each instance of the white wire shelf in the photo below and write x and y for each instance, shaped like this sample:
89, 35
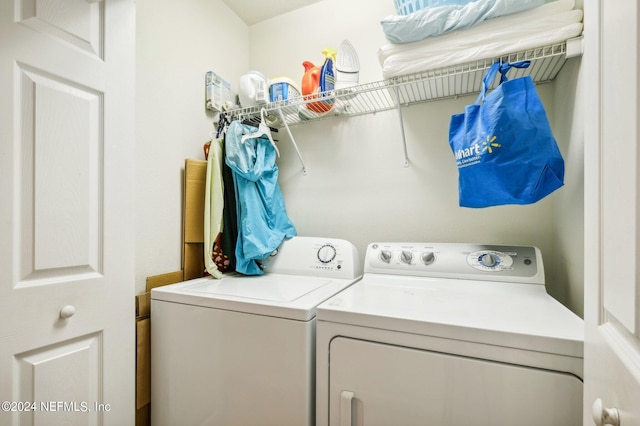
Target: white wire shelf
441, 83
397, 92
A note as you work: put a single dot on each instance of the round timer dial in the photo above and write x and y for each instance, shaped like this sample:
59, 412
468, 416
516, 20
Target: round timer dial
326, 253
488, 260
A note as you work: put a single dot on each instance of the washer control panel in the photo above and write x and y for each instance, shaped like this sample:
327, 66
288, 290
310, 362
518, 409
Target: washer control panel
313, 256
451, 260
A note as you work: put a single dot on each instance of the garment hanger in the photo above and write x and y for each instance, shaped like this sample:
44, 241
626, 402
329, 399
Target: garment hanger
263, 129
223, 124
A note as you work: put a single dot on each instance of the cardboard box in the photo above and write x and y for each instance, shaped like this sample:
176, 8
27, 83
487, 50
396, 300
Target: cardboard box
162, 279
143, 364
195, 172
143, 345
143, 360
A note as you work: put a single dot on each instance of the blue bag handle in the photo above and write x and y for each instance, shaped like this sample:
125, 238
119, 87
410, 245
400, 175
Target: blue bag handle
503, 67
506, 66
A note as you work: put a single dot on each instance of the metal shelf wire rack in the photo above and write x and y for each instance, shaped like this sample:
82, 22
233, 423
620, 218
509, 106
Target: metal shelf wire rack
394, 93
441, 83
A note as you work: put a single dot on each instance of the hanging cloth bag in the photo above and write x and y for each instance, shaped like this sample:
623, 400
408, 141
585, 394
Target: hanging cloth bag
503, 144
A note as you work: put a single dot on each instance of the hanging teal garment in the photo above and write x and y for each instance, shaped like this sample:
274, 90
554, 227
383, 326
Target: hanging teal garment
262, 218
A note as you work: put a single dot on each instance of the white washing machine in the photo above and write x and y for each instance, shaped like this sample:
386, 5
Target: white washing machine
452, 335
241, 350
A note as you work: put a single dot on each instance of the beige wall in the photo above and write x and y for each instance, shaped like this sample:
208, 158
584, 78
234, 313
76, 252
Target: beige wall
356, 187
177, 43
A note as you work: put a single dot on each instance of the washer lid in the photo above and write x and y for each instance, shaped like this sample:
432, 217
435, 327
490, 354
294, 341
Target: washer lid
519, 316
285, 296
282, 289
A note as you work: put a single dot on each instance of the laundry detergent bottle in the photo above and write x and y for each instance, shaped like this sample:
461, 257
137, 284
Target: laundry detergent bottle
327, 74
311, 85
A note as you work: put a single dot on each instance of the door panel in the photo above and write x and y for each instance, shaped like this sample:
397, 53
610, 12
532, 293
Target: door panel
78, 23
67, 333
612, 191
58, 378
620, 164
60, 193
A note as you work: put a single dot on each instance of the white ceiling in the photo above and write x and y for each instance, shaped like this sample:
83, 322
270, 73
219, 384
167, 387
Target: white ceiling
254, 11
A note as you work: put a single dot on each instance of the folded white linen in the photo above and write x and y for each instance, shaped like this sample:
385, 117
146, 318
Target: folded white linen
395, 66
489, 39
497, 25
434, 21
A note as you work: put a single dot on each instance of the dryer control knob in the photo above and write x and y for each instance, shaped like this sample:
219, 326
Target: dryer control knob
406, 257
428, 257
489, 260
385, 256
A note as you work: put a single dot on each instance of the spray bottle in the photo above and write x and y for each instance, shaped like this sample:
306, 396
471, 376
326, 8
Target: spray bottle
327, 74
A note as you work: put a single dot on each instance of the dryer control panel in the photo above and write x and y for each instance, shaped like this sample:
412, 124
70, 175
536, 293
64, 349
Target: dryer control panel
522, 264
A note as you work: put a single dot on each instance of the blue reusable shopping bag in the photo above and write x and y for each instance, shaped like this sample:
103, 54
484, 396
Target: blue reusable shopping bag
503, 144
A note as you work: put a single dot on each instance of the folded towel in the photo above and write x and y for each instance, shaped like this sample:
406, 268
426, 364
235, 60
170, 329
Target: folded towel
538, 17
547, 24
434, 21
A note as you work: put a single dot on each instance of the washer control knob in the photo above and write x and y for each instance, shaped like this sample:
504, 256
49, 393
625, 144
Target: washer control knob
385, 256
489, 260
406, 257
326, 253
428, 257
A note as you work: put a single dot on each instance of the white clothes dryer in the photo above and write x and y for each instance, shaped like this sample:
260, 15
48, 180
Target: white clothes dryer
241, 350
452, 335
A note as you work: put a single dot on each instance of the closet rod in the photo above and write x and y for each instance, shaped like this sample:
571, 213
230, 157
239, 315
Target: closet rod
251, 116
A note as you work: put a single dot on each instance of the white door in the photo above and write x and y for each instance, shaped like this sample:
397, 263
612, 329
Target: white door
66, 226
612, 220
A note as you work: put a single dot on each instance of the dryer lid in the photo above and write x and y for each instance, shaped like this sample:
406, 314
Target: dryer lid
520, 316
